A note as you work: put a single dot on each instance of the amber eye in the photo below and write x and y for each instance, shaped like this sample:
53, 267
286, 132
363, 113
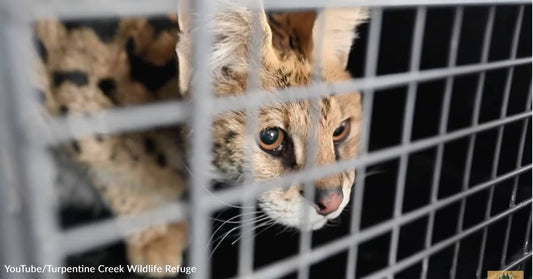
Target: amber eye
271, 139
341, 133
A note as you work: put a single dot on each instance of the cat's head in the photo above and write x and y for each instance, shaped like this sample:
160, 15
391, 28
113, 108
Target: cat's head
278, 144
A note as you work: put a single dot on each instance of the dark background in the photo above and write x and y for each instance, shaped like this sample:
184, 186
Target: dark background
388, 109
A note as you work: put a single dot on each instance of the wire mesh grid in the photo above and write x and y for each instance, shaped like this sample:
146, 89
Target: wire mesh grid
30, 233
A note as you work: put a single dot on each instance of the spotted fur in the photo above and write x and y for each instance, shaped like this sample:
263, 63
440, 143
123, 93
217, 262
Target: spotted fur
91, 65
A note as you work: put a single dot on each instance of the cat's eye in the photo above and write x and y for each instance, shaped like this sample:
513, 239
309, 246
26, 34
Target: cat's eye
271, 139
342, 132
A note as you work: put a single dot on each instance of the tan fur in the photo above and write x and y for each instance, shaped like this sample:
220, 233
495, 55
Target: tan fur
162, 249
129, 177
133, 179
293, 33
282, 67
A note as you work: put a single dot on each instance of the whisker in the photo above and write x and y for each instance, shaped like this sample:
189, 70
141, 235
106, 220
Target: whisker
263, 230
233, 222
375, 170
252, 229
285, 228
220, 242
226, 222
224, 237
217, 198
232, 230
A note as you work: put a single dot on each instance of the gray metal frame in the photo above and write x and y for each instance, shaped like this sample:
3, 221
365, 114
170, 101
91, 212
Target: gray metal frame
29, 227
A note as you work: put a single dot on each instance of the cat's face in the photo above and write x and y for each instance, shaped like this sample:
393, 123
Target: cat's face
279, 143
278, 146
336, 139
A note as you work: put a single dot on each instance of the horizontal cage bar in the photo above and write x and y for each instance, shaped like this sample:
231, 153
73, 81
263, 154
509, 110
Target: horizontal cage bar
287, 265
231, 195
76, 240
164, 114
201, 111
18, 10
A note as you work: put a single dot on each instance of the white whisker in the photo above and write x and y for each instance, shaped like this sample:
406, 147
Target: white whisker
273, 223
286, 228
217, 198
223, 237
252, 229
258, 218
232, 222
229, 232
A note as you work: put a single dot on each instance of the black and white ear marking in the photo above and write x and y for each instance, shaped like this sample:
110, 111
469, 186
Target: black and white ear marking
296, 32
299, 32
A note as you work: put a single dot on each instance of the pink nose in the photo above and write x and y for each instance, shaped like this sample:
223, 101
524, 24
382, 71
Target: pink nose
328, 200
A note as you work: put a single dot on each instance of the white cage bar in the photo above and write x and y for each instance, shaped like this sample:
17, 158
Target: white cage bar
28, 221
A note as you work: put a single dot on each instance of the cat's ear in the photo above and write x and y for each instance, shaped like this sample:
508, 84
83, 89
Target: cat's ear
300, 32
292, 33
283, 34
338, 32
230, 29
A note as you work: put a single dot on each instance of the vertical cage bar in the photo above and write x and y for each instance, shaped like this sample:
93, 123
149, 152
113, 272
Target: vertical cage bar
472, 138
255, 42
508, 82
454, 44
513, 194
309, 190
518, 163
306, 236
407, 129
368, 100
481, 82
36, 157
36, 165
528, 232
528, 235
16, 239
200, 140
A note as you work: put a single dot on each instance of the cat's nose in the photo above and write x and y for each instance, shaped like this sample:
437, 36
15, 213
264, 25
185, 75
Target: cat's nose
327, 200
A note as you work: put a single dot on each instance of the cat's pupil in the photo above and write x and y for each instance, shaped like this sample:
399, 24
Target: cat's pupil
269, 136
339, 130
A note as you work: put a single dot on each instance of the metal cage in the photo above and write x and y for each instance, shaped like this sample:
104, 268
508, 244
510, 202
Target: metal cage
29, 228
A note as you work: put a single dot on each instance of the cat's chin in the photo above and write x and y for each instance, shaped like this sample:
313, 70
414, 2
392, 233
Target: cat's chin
315, 226
287, 207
